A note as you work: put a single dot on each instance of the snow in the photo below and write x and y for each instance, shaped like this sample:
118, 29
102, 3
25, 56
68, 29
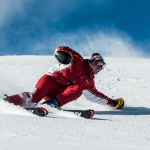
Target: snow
128, 129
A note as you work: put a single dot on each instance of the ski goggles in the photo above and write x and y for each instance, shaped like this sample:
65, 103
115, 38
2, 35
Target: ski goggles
101, 66
97, 58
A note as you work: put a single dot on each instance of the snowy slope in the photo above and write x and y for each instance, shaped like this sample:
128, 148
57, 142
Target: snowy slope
128, 129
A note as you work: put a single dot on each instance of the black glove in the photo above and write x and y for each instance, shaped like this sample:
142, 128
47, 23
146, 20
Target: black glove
63, 56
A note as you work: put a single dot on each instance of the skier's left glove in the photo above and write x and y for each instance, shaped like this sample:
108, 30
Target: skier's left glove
118, 103
63, 56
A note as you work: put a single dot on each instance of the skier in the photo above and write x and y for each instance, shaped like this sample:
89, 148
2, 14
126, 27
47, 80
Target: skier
67, 81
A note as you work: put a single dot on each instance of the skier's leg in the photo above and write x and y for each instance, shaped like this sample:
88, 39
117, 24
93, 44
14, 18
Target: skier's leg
44, 86
70, 93
54, 93
18, 99
62, 96
51, 98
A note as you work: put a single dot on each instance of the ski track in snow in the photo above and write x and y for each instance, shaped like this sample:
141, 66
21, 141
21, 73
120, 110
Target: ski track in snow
108, 129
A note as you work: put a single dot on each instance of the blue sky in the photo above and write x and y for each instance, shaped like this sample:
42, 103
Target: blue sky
114, 28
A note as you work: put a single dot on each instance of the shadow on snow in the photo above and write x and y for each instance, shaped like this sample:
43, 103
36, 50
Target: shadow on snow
126, 111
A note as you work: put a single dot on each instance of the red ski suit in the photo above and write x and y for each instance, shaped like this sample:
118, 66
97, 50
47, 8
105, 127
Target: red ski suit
66, 82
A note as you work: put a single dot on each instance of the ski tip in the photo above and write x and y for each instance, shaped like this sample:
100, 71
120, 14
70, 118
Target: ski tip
39, 111
92, 113
44, 111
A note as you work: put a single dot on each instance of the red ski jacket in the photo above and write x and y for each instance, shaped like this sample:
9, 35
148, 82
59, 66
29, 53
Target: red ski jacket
79, 72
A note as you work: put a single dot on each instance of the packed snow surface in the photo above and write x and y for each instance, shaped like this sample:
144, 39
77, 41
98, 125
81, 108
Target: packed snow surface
127, 129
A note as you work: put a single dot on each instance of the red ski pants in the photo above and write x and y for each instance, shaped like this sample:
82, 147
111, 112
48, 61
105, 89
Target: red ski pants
47, 88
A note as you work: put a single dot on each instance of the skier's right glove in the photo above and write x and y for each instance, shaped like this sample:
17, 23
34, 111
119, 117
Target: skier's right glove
118, 103
63, 56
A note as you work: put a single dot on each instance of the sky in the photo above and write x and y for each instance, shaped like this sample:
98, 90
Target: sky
114, 28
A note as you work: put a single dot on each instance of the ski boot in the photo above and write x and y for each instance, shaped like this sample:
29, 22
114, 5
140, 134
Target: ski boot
6, 99
53, 102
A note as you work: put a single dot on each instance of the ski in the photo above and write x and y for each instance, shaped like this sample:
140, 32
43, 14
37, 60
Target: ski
40, 111
83, 113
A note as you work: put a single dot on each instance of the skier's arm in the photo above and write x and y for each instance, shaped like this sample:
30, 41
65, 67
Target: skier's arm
95, 96
66, 55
